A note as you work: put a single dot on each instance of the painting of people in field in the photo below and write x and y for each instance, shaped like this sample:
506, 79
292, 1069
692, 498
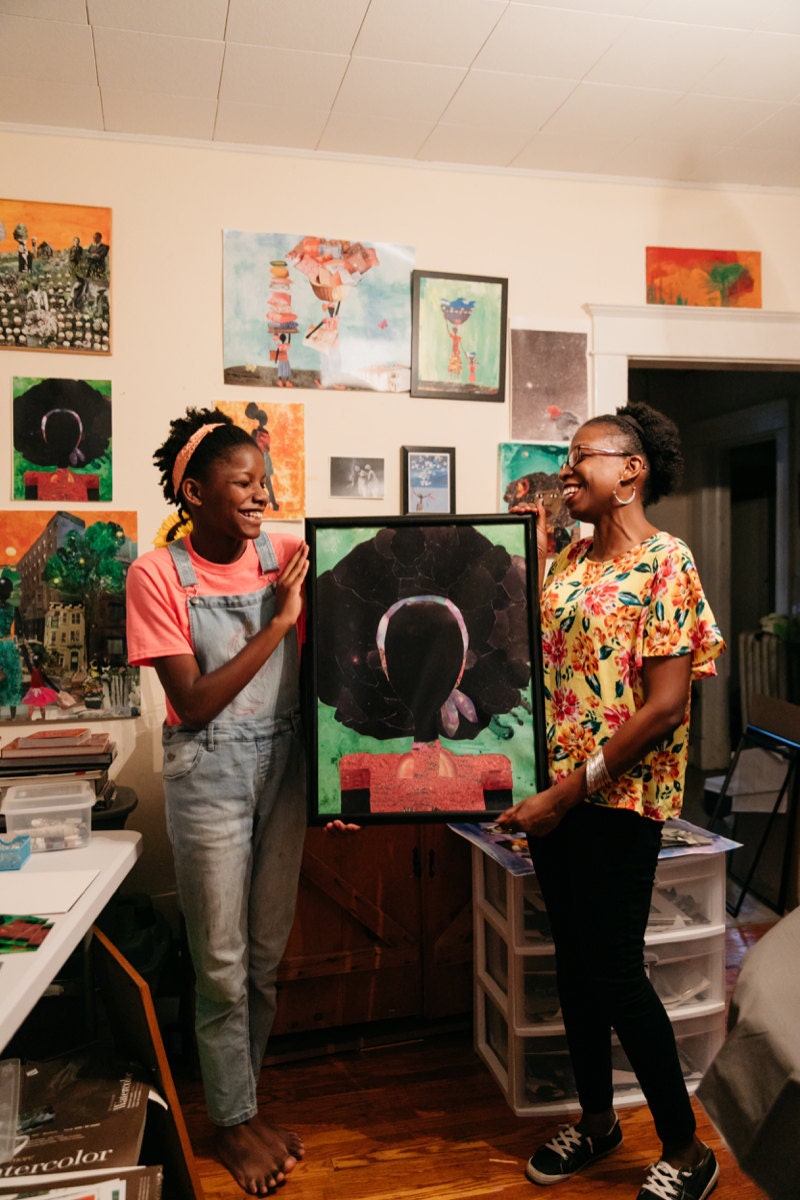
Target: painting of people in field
55, 277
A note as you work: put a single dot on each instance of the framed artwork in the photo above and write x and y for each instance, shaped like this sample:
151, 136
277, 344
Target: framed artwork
529, 471
458, 336
709, 278
357, 478
62, 440
279, 432
62, 614
429, 479
549, 386
306, 311
55, 263
424, 685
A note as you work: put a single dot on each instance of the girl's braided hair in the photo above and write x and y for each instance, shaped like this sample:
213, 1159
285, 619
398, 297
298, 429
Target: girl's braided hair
215, 445
655, 436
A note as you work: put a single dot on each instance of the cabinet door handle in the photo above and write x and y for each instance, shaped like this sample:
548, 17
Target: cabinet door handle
417, 863
431, 864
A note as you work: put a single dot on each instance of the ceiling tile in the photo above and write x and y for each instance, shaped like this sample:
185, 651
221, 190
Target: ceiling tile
780, 132
380, 136
712, 119
621, 8
489, 99
182, 18
157, 115
730, 165
779, 16
663, 55
548, 41
299, 25
36, 102
767, 67
466, 144
547, 152
392, 89
725, 14
448, 32
145, 62
288, 78
56, 51
600, 109
655, 158
269, 125
47, 10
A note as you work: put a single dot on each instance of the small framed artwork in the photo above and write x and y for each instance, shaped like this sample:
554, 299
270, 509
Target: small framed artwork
357, 478
458, 336
423, 698
429, 479
56, 263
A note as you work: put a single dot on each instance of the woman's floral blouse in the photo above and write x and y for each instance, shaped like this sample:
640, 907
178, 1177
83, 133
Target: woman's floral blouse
600, 620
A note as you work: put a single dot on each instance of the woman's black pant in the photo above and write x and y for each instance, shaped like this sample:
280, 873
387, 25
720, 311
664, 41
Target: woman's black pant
596, 872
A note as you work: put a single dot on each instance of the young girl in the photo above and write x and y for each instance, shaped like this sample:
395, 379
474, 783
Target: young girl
215, 612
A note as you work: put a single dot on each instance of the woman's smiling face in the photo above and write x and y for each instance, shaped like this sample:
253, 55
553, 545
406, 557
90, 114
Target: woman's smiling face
597, 454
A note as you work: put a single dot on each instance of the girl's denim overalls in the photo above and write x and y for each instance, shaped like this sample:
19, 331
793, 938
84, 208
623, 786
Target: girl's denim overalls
235, 807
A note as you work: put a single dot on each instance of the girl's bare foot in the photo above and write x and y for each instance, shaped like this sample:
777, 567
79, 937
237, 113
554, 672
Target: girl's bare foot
256, 1167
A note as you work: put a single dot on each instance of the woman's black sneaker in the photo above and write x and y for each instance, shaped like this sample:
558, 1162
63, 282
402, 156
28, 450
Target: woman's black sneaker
569, 1152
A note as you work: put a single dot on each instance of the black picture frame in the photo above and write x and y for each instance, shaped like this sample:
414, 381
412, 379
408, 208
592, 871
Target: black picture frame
429, 479
471, 313
423, 690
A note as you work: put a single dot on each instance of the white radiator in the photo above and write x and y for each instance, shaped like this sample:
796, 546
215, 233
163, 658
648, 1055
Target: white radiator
762, 668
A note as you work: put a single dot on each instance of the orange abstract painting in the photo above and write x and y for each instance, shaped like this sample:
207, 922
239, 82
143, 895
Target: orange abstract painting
711, 278
279, 431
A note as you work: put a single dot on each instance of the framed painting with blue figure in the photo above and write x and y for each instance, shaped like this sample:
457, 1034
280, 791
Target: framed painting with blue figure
529, 471
424, 684
429, 479
458, 336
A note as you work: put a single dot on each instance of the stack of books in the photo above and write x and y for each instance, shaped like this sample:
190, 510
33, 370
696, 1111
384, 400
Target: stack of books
53, 755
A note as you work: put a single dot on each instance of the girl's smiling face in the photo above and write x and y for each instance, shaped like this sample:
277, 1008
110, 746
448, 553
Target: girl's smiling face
230, 501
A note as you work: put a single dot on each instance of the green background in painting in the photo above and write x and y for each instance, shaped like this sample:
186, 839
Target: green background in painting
509, 733
480, 332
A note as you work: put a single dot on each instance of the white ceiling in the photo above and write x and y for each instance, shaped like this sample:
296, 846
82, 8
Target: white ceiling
685, 90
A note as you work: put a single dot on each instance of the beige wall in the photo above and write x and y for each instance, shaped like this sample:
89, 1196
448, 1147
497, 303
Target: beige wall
561, 244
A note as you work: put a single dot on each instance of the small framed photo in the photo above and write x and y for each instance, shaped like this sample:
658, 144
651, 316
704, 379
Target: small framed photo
423, 695
458, 336
429, 479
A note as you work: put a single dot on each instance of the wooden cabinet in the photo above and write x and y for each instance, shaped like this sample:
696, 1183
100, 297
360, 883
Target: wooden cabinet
383, 929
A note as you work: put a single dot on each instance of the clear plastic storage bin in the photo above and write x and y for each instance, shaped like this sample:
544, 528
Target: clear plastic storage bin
56, 816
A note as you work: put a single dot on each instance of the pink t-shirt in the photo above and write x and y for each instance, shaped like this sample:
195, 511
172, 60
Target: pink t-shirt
157, 613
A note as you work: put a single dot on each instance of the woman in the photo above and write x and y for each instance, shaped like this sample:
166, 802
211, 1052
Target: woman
625, 629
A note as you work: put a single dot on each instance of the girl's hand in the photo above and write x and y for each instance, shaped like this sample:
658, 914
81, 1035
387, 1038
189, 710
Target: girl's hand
537, 815
289, 586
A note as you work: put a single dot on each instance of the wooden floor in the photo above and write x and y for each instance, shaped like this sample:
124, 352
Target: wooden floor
426, 1119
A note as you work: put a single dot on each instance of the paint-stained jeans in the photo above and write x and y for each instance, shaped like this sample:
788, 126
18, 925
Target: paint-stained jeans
235, 805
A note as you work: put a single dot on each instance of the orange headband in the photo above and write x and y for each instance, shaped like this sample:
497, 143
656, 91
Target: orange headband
186, 452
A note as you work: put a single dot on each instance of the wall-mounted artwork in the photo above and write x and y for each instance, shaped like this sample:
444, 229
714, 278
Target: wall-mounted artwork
712, 278
62, 440
424, 693
549, 392
357, 478
307, 311
279, 432
529, 472
429, 479
458, 336
62, 614
55, 277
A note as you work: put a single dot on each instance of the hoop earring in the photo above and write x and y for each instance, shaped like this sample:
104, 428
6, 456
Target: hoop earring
631, 498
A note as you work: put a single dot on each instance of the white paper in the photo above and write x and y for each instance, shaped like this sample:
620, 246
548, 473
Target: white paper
42, 893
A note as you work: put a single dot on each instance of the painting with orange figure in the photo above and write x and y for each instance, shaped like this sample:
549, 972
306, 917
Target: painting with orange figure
709, 278
55, 264
279, 432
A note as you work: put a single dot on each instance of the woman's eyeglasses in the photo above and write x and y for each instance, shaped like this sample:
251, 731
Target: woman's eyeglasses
577, 453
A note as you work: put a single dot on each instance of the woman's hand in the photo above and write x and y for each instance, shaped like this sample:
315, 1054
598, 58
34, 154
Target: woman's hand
341, 827
538, 508
289, 586
537, 815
